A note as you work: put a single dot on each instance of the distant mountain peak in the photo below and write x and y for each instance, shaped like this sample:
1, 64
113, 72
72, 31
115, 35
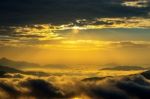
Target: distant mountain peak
9, 69
4, 59
16, 64
125, 68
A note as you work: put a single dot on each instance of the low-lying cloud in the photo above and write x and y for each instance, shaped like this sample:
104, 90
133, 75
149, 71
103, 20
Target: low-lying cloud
125, 87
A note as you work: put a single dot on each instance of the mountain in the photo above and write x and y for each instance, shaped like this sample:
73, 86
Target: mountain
9, 69
55, 66
6, 69
17, 64
22, 64
93, 79
125, 68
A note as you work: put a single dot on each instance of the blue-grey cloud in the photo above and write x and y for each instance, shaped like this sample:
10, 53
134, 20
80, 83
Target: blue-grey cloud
64, 11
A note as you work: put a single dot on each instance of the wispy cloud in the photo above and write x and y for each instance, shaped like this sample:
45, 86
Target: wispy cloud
136, 3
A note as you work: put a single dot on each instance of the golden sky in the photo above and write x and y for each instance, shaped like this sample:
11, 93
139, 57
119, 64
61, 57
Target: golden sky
79, 44
75, 32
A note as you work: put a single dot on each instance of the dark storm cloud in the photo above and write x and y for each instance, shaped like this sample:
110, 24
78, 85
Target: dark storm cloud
64, 11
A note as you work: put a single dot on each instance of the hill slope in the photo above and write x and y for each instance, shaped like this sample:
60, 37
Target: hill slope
125, 68
16, 64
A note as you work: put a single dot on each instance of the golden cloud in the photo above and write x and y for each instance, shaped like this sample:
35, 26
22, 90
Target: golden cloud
136, 3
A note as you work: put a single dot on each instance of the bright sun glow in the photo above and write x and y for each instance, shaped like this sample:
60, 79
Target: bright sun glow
76, 29
76, 98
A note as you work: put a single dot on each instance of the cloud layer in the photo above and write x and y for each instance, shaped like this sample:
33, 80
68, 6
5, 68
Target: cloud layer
65, 11
126, 87
44, 21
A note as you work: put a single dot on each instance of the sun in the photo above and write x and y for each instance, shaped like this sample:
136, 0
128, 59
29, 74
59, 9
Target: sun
76, 29
76, 98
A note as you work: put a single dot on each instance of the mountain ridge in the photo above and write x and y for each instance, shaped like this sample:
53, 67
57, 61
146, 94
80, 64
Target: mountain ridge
125, 68
17, 64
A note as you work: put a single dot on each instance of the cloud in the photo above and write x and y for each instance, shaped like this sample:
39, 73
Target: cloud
131, 44
42, 89
136, 3
123, 87
111, 93
30, 35
66, 44
132, 22
138, 87
43, 22
66, 11
49, 34
29, 31
10, 90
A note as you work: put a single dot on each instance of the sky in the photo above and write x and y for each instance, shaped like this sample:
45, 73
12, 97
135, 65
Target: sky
90, 32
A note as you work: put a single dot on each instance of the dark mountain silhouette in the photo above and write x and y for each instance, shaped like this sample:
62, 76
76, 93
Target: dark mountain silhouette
111, 64
17, 64
94, 78
9, 69
22, 64
55, 66
6, 69
37, 73
125, 68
